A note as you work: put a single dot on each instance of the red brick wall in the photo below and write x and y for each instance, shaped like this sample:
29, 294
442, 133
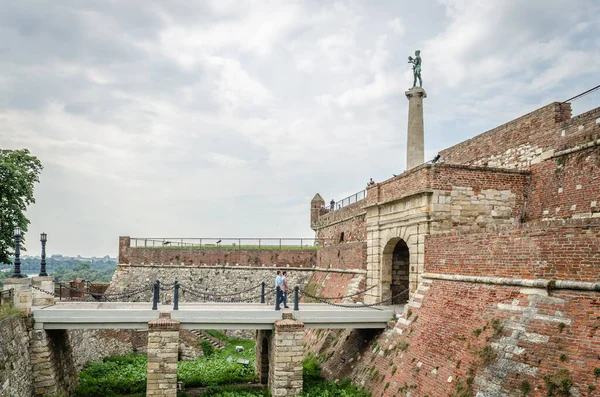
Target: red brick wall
217, 256
441, 342
555, 251
565, 187
539, 128
413, 181
349, 256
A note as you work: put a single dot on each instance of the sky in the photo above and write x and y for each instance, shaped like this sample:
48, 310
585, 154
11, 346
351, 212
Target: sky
219, 118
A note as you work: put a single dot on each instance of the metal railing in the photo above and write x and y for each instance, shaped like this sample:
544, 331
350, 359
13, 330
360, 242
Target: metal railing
227, 243
6, 297
354, 198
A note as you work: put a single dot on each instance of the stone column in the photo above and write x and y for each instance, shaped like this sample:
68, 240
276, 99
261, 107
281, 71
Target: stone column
22, 297
285, 372
44, 372
415, 147
163, 345
42, 298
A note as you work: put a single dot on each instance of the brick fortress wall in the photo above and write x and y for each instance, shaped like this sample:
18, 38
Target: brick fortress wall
465, 330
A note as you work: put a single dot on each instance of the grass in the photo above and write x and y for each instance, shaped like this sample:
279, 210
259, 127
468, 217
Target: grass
8, 310
239, 247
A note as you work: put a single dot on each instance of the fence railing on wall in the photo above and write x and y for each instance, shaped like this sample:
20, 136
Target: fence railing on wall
6, 296
228, 243
356, 197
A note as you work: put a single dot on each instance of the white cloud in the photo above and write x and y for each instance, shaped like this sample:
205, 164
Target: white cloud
226, 117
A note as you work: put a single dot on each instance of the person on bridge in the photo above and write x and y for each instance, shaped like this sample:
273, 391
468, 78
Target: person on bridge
278, 283
285, 289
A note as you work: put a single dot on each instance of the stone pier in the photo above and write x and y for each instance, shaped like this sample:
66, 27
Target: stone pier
285, 370
22, 296
52, 360
41, 298
163, 346
415, 146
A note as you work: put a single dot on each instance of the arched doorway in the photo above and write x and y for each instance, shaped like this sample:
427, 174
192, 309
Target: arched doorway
395, 271
264, 371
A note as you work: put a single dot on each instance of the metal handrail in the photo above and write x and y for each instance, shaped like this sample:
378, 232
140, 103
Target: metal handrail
353, 198
227, 242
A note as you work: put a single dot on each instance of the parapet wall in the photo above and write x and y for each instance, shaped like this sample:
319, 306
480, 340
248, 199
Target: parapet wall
514, 144
559, 250
167, 256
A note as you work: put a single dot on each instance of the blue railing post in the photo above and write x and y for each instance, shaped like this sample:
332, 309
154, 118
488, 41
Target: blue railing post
262, 293
156, 295
296, 298
277, 298
176, 295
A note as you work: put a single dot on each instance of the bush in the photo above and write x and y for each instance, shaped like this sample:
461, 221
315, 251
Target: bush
207, 348
115, 376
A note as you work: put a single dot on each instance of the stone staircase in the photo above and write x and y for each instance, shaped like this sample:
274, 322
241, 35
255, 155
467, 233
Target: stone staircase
203, 336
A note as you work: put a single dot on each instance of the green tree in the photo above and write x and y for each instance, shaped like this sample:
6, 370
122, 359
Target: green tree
19, 171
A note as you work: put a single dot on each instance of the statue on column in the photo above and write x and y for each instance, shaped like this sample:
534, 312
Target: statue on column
416, 61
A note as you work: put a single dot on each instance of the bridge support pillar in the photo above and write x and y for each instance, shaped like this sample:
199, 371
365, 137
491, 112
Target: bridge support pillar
52, 360
22, 297
163, 346
285, 370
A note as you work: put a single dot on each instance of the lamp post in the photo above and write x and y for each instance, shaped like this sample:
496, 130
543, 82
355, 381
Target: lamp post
17, 272
43, 239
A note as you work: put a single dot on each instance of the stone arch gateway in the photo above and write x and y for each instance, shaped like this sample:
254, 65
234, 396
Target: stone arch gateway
395, 270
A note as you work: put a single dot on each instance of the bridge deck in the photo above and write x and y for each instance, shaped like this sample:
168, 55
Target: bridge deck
135, 315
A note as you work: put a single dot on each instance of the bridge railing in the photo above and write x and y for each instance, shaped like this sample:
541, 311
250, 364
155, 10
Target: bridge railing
228, 243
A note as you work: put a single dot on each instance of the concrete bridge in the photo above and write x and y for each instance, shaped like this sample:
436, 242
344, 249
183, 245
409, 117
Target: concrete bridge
279, 337
136, 315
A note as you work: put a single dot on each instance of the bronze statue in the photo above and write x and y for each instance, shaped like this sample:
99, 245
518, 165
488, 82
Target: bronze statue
416, 61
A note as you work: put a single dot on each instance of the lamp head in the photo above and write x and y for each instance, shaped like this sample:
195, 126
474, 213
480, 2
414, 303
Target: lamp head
17, 231
43, 237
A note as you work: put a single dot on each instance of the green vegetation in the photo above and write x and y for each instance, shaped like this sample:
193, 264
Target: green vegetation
19, 171
558, 384
316, 386
207, 348
8, 310
115, 376
126, 375
65, 269
525, 387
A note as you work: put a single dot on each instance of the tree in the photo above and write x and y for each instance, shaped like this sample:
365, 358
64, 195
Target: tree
19, 171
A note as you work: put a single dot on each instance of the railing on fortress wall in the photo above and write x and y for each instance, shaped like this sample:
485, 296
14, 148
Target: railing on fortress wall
228, 243
356, 197
6, 296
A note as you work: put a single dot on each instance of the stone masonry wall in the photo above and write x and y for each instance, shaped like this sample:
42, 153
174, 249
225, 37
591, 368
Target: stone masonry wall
220, 280
497, 340
91, 345
16, 376
555, 250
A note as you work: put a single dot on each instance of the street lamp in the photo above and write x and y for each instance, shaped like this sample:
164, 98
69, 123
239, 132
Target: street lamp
17, 272
43, 239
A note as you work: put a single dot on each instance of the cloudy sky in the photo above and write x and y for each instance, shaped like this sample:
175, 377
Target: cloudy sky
223, 118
